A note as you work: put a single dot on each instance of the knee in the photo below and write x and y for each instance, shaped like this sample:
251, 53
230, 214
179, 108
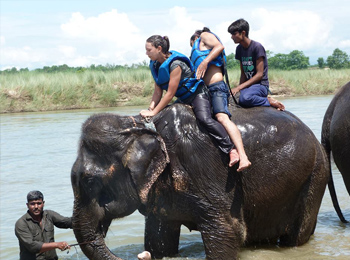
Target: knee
221, 118
245, 99
204, 118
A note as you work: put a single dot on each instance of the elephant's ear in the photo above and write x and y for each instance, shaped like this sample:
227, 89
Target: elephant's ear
146, 158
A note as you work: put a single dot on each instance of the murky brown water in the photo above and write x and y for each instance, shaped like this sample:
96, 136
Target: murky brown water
38, 151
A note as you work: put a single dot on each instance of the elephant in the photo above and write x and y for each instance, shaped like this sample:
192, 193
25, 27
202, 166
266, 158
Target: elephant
171, 171
335, 138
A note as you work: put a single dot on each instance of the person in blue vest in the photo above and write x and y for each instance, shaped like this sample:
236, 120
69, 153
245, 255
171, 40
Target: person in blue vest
174, 73
208, 58
254, 83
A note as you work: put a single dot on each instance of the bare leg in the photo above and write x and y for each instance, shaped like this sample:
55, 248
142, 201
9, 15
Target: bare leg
234, 157
236, 138
276, 104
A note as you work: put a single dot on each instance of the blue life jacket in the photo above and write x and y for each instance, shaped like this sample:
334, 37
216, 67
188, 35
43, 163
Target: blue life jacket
161, 76
197, 56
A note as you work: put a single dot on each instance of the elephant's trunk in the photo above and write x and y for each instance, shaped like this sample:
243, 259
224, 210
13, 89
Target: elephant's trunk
90, 230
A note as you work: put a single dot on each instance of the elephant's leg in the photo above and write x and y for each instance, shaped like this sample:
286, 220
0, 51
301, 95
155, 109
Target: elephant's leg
304, 223
299, 233
222, 238
161, 237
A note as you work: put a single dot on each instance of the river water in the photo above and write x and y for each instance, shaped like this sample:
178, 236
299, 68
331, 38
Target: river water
39, 149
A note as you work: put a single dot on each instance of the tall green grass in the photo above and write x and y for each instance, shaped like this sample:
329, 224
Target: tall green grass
40, 91
302, 82
308, 82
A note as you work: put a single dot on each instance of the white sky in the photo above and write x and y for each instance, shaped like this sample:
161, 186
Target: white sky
84, 32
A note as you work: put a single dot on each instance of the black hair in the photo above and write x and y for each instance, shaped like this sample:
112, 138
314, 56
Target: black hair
239, 26
34, 195
163, 41
198, 33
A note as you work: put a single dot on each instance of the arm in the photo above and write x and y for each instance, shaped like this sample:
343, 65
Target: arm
244, 83
60, 221
243, 78
174, 81
157, 95
53, 245
210, 42
25, 238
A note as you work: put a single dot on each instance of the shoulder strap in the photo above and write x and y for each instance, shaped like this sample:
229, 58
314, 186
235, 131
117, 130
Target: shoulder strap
226, 78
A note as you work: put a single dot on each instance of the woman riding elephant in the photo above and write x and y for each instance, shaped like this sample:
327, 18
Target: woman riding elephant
174, 73
336, 138
175, 175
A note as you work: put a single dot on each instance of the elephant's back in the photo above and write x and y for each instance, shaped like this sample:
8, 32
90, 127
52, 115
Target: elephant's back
281, 148
274, 140
340, 129
341, 112
270, 125
287, 162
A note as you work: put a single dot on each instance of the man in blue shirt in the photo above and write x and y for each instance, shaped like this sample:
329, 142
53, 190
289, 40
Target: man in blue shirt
254, 84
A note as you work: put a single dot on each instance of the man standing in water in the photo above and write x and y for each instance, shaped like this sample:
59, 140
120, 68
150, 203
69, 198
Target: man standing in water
35, 230
207, 57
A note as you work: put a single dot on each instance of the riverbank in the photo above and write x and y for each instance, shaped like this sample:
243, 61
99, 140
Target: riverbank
38, 91
39, 149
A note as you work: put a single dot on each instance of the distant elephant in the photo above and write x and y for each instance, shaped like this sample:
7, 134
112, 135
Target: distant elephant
335, 138
177, 176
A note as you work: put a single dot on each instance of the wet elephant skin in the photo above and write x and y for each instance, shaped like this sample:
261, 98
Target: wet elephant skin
335, 138
177, 176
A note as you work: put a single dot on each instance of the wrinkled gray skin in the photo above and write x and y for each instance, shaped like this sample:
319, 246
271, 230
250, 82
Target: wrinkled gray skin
335, 138
177, 176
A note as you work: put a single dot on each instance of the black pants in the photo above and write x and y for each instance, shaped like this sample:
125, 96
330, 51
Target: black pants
202, 109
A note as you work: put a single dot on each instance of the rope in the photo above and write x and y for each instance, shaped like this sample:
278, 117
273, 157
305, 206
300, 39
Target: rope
78, 244
226, 78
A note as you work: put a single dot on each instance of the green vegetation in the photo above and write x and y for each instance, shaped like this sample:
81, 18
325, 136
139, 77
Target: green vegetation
40, 91
338, 60
296, 60
63, 87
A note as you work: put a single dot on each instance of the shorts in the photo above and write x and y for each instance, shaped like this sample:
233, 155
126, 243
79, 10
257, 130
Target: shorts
219, 95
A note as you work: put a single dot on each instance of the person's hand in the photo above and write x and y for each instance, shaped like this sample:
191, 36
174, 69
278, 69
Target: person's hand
202, 68
63, 246
146, 113
235, 90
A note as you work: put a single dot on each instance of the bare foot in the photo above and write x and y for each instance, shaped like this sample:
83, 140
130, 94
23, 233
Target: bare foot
234, 157
276, 104
145, 255
244, 163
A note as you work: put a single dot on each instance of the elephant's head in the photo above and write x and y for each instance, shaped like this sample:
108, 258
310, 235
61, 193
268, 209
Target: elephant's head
118, 162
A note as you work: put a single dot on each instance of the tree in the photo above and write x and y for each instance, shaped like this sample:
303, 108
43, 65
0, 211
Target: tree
292, 61
279, 61
269, 54
338, 60
297, 60
321, 63
231, 62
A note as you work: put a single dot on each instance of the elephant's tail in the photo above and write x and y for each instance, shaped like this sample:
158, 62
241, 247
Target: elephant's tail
325, 141
333, 194
335, 199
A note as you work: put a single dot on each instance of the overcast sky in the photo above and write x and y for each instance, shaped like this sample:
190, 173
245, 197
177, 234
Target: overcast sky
82, 32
